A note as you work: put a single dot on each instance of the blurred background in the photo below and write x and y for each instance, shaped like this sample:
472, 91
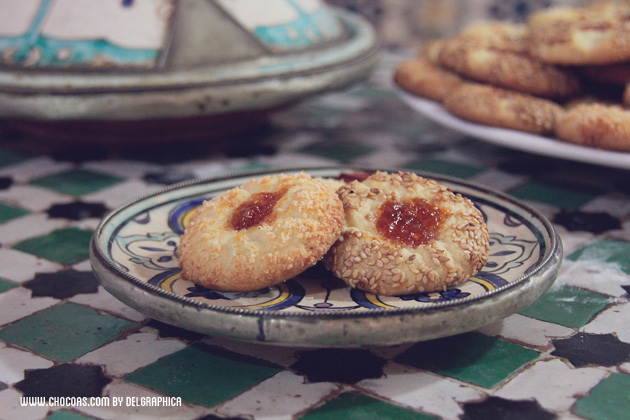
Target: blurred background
407, 23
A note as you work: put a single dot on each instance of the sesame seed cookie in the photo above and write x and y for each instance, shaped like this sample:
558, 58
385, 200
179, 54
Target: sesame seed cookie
406, 234
595, 34
498, 35
420, 77
261, 233
503, 108
508, 69
596, 125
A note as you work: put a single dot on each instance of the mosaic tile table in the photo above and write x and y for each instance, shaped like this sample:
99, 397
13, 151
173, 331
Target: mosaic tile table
566, 357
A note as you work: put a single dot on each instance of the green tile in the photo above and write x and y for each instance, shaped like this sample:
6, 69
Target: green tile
337, 150
456, 169
6, 285
76, 182
362, 407
552, 194
3, 386
565, 305
203, 375
65, 332
67, 415
471, 357
609, 400
605, 251
67, 246
9, 212
8, 157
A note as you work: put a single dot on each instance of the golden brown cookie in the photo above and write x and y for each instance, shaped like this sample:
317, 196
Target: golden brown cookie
596, 125
261, 233
406, 234
431, 50
422, 78
499, 35
594, 34
503, 108
509, 70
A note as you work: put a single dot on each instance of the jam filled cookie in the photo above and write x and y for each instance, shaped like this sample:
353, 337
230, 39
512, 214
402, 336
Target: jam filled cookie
423, 78
261, 233
596, 125
594, 34
406, 234
503, 108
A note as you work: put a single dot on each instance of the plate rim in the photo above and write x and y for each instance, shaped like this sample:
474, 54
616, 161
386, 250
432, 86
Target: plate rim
552, 147
553, 255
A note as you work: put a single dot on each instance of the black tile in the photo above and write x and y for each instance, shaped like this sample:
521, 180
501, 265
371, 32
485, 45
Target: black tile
5, 182
77, 210
167, 177
592, 349
595, 222
63, 284
338, 365
66, 380
500, 408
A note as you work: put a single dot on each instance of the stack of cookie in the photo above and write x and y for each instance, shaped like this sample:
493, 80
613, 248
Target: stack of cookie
564, 73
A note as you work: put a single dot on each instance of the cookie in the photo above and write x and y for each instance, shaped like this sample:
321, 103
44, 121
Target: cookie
595, 34
503, 108
261, 233
406, 234
499, 35
420, 77
509, 70
596, 125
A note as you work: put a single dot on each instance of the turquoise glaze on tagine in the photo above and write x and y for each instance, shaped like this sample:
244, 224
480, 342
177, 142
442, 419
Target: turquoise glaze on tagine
208, 63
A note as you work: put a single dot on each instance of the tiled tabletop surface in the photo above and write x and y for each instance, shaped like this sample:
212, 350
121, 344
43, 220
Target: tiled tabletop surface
567, 356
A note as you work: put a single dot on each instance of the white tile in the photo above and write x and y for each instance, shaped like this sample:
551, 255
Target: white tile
296, 160
21, 267
526, 330
28, 227
281, 355
14, 361
103, 301
594, 275
421, 390
615, 204
33, 198
122, 168
34, 168
135, 351
625, 368
614, 320
498, 180
128, 411
280, 397
17, 303
552, 383
10, 408
121, 193
383, 158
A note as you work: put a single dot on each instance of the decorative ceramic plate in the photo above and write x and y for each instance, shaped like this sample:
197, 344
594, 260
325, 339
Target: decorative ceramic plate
547, 146
134, 256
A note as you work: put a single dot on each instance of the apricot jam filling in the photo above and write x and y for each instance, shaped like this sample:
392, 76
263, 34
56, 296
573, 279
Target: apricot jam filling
255, 210
413, 222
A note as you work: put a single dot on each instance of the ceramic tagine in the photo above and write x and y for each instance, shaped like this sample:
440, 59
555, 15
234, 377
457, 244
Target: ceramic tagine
165, 69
